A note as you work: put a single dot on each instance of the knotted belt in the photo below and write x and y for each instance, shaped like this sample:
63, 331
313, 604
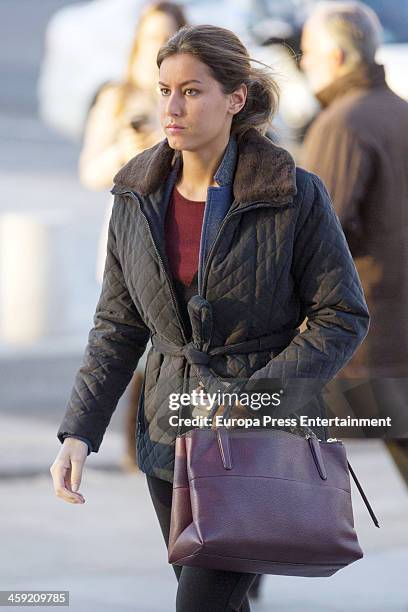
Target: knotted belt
196, 356
198, 353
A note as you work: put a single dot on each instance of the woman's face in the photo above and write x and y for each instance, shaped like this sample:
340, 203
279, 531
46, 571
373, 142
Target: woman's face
192, 101
155, 29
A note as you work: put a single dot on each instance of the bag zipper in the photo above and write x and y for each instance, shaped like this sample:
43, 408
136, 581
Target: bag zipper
359, 487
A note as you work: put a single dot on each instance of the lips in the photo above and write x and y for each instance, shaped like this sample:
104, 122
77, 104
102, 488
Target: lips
174, 127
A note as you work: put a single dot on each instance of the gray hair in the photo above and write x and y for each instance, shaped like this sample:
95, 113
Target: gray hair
354, 26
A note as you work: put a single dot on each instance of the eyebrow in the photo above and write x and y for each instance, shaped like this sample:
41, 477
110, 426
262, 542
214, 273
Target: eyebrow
184, 82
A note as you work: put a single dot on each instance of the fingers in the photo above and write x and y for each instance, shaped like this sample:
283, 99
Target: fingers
76, 475
219, 412
238, 411
204, 403
61, 477
66, 471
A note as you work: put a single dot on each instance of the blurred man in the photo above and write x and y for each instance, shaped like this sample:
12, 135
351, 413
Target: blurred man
359, 146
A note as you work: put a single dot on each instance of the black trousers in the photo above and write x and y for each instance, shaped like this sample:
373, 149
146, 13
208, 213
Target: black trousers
199, 589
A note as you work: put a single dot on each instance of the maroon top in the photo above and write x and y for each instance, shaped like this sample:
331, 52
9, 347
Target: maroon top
182, 227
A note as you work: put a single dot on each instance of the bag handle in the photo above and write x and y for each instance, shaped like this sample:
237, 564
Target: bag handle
363, 495
314, 445
302, 430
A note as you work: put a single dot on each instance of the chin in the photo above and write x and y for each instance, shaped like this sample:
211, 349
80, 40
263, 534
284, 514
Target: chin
319, 84
176, 142
175, 146
189, 142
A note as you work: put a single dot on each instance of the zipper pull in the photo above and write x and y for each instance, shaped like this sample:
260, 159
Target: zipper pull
317, 455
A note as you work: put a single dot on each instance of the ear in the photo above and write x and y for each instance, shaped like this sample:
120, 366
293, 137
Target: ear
338, 57
238, 99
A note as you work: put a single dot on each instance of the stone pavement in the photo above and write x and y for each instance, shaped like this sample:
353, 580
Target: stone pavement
109, 552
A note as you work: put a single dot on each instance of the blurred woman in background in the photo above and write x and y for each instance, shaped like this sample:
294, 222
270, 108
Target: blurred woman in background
121, 123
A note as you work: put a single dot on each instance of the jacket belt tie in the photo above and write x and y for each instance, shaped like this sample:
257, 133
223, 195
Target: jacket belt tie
197, 351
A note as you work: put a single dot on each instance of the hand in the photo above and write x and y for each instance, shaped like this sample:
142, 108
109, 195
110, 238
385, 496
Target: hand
132, 142
67, 468
238, 411
203, 407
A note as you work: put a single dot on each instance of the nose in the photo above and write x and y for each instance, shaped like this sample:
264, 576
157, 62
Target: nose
305, 58
175, 104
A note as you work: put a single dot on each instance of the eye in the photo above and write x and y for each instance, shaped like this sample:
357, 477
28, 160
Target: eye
191, 90
164, 91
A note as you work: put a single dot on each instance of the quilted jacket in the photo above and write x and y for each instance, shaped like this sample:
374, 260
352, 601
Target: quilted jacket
277, 255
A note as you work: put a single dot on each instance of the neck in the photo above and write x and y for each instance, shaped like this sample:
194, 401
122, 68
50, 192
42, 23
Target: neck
362, 76
199, 168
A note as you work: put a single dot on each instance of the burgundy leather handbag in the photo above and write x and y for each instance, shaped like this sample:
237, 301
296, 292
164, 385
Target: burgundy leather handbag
262, 501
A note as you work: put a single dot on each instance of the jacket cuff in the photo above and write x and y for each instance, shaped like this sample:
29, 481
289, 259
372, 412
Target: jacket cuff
63, 436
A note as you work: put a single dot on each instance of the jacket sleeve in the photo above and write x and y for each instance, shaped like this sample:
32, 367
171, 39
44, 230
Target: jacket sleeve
332, 298
116, 342
346, 165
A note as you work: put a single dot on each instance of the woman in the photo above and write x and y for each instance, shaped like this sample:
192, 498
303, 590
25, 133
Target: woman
123, 120
270, 252
121, 123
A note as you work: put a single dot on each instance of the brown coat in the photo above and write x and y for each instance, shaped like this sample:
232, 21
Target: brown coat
358, 145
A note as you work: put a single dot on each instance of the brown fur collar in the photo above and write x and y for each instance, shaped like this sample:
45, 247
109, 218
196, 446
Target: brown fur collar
264, 171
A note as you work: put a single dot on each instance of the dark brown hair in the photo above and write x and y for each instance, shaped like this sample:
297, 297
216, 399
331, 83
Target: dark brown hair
230, 64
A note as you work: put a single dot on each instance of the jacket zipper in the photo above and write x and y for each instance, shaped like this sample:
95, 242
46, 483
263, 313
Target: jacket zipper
169, 281
251, 205
174, 299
